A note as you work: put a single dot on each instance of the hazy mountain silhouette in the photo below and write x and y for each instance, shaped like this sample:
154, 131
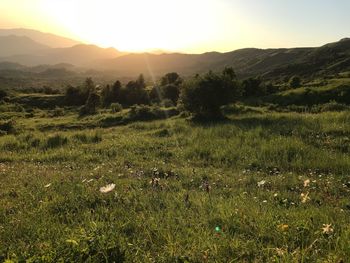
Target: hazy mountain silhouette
79, 55
13, 45
330, 58
47, 39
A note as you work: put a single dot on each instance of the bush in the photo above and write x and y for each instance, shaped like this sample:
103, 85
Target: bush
146, 113
56, 141
331, 106
253, 87
91, 105
116, 107
204, 95
3, 94
58, 112
295, 82
7, 127
168, 92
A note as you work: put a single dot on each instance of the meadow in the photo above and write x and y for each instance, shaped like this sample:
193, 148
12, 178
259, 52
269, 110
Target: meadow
259, 186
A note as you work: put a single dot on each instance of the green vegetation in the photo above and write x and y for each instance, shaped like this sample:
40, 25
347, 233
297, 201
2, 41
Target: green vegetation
137, 181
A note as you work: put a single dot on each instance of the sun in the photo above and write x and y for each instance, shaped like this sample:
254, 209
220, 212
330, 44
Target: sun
136, 25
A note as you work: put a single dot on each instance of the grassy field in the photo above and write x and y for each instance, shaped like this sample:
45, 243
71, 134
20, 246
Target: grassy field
261, 186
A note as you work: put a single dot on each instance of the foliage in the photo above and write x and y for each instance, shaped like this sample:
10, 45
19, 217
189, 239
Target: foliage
111, 94
8, 126
204, 95
295, 82
91, 104
116, 107
171, 79
76, 96
3, 94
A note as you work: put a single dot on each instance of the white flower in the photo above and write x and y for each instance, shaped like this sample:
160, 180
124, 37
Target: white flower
327, 229
107, 188
261, 183
304, 197
306, 182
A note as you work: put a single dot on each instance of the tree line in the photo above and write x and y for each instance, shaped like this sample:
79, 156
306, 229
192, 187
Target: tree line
202, 95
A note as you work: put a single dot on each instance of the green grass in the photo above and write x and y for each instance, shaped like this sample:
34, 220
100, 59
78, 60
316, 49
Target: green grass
208, 205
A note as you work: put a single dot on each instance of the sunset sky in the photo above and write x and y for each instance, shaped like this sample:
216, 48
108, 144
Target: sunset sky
191, 26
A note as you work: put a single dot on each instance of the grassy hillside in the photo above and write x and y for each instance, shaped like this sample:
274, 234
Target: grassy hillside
259, 187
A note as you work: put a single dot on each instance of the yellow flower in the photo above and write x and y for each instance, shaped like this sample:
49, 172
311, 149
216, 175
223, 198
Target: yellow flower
283, 227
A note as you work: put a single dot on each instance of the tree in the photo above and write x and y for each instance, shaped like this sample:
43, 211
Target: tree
295, 82
167, 92
171, 78
73, 96
91, 104
111, 94
204, 95
229, 72
253, 87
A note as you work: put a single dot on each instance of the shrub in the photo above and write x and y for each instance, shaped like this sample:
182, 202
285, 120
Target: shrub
295, 82
3, 94
168, 92
204, 95
91, 105
58, 112
146, 113
8, 127
167, 103
253, 87
56, 141
116, 107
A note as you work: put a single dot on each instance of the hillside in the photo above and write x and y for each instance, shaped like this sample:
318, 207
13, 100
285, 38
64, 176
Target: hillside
270, 63
14, 45
47, 39
330, 58
79, 55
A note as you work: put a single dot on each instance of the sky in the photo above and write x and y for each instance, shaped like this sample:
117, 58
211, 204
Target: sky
189, 26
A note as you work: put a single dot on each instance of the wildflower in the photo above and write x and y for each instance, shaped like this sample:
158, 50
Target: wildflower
275, 195
155, 182
280, 252
327, 229
304, 197
306, 182
283, 227
261, 183
107, 188
48, 185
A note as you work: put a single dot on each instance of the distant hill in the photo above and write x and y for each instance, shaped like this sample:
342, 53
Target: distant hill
269, 63
79, 55
46, 39
13, 45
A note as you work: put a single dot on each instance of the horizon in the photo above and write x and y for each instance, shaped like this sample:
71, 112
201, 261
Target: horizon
221, 26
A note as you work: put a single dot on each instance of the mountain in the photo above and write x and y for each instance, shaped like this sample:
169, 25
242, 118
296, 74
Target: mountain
79, 55
269, 63
12, 45
46, 39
